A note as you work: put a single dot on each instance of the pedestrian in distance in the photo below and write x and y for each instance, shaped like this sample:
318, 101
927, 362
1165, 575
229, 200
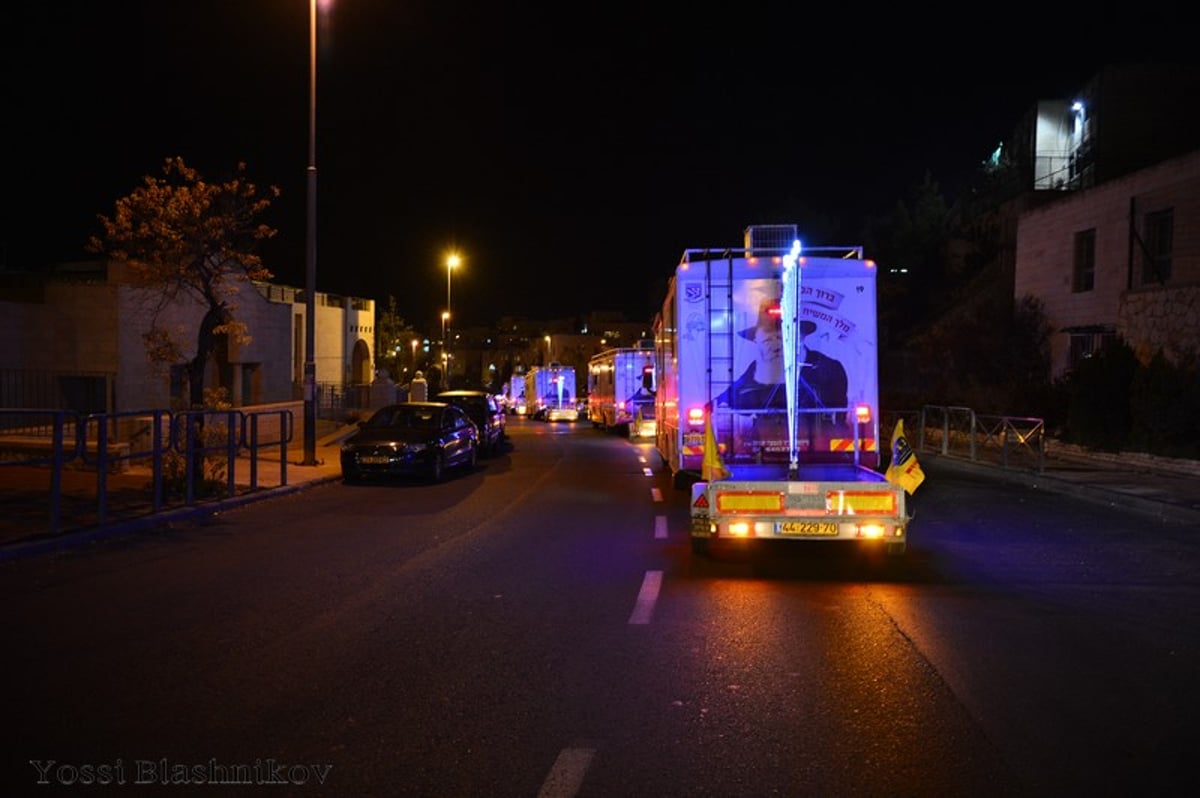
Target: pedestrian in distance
418, 389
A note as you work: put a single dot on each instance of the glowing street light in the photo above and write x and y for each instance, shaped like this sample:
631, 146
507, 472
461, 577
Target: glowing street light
415, 343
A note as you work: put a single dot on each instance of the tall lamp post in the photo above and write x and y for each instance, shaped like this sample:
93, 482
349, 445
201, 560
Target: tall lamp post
415, 343
445, 358
452, 260
310, 259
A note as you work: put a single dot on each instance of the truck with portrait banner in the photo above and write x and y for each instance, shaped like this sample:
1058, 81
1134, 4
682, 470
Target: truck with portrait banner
514, 395
620, 383
550, 393
767, 401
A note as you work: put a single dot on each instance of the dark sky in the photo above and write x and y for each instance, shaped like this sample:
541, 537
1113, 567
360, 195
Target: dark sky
571, 153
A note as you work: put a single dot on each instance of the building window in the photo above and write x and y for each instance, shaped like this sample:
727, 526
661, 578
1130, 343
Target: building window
1159, 231
1084, 274
1088, 341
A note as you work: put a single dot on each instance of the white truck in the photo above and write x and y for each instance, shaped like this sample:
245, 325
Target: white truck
515, 395
620, 386
768, 398
550, 393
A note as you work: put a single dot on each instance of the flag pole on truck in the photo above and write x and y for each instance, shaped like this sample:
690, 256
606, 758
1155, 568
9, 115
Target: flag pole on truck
790, 307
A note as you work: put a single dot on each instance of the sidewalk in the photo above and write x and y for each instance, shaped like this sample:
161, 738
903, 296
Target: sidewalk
25, 515
1163, 488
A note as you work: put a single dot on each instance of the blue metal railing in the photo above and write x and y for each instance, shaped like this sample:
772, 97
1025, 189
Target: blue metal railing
108, 442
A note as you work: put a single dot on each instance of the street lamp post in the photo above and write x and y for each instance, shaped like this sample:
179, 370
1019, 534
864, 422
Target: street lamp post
452, 260
445, 344
415, 343
310, 264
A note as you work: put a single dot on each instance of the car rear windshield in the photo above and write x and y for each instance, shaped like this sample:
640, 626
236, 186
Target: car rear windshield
406, 418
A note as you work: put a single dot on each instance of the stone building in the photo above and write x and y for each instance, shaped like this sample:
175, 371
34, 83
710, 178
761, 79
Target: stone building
74, 340
1119, 259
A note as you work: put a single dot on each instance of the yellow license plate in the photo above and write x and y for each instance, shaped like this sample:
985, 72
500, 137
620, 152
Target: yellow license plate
373, 459
807, 528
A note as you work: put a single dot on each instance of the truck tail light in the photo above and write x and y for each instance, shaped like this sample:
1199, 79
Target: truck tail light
695, 416
862, 414
739, 529
872, 531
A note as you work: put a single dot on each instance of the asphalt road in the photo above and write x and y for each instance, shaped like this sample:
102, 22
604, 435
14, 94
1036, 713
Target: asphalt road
540, 627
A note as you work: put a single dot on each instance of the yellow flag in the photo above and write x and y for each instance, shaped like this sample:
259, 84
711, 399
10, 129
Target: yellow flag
904, 470
712, 469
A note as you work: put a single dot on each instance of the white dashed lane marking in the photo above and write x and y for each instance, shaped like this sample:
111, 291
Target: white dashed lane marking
647, 598
566, 777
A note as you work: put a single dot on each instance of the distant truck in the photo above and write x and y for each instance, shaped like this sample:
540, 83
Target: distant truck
768, 399
620, 386
515, 395
550, 393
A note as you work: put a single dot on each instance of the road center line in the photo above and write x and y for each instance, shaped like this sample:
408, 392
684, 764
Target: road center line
660, 527
566, 777
647, 597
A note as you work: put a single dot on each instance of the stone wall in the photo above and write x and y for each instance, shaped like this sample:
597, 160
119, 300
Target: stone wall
1167, 319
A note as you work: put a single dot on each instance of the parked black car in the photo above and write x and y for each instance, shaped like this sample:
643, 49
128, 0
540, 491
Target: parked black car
411, 438
485, 410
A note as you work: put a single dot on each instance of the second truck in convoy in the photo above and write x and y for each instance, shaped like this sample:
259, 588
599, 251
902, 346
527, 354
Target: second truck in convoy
620, 384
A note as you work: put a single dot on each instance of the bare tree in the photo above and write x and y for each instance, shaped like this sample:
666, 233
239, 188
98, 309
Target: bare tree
186, 239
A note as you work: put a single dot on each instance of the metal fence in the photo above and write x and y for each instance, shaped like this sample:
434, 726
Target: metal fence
1017, 442
160, 459
336, 401
83, 391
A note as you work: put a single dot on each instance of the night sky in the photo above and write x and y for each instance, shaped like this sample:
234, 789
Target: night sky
570, 153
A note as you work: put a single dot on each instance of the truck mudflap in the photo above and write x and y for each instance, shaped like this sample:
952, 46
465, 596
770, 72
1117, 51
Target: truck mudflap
864, 512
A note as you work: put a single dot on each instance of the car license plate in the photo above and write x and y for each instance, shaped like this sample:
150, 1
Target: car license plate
373, 459
807, 528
